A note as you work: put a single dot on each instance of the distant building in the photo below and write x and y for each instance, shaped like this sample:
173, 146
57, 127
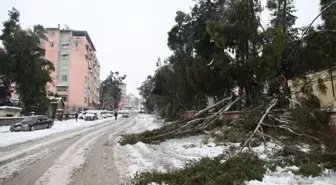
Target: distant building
133, 102
77, 69
122, 103
327, 100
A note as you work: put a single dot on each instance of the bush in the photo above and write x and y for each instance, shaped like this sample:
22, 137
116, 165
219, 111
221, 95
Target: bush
310, 169
208, 171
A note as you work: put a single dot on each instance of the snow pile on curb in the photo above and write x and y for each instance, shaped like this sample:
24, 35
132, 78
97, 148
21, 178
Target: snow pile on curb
11, 138
4, 129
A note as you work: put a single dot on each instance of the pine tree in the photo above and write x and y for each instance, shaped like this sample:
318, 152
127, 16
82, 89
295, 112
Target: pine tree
24, 63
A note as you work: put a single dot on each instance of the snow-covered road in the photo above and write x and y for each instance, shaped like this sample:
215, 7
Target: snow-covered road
54, 156
8, 138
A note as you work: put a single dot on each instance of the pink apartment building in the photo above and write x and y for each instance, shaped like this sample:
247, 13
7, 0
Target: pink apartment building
77, 70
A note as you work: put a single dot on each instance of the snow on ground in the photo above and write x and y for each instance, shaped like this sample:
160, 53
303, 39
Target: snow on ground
10, 170
174, 153
10, 138
171, 154
282, 176
70, 161
4, 129
145, 122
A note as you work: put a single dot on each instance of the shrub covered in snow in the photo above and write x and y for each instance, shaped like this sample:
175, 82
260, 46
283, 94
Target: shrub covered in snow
209, 171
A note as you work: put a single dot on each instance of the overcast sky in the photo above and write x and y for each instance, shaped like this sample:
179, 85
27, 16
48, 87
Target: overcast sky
129, 35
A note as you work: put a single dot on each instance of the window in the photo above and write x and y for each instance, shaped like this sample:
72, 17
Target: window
42, 118
29, 119
51, 44
65, 46
75, 44
64, 77
65, 99
52, 33
65, 57
62, 89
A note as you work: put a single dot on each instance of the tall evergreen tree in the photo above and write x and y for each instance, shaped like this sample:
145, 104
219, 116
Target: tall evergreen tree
110, 95
24, 63
329, 15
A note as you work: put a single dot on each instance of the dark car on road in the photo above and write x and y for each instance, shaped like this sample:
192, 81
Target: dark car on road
31, 123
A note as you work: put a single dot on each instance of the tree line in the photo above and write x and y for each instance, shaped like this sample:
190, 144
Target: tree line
110, 91
221, 46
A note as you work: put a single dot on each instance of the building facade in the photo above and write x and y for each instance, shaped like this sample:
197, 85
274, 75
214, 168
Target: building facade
77, 69
132, 102
122, 103
327, 99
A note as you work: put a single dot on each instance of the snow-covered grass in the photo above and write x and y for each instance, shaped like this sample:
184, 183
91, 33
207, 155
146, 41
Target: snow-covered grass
283, 176
10, 138
169, 155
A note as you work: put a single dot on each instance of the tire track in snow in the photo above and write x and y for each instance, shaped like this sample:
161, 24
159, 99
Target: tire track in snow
31, 167
27, 165
11, 170
71, 160
100, 168
84, 125
21, 150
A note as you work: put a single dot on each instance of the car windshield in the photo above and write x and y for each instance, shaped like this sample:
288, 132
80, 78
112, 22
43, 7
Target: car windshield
29, 119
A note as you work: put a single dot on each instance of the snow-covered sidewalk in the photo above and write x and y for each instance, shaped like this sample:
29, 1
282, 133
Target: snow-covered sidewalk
10, 138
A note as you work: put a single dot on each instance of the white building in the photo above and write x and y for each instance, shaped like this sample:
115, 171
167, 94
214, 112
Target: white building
122, 103
133, 101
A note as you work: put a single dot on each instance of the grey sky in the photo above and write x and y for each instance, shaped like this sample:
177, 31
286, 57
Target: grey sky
129, 35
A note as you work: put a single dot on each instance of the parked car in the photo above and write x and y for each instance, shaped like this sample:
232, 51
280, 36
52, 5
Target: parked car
104, 115
31, 123
125, 114
91, 116
81, 115
109, 114
142, 112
